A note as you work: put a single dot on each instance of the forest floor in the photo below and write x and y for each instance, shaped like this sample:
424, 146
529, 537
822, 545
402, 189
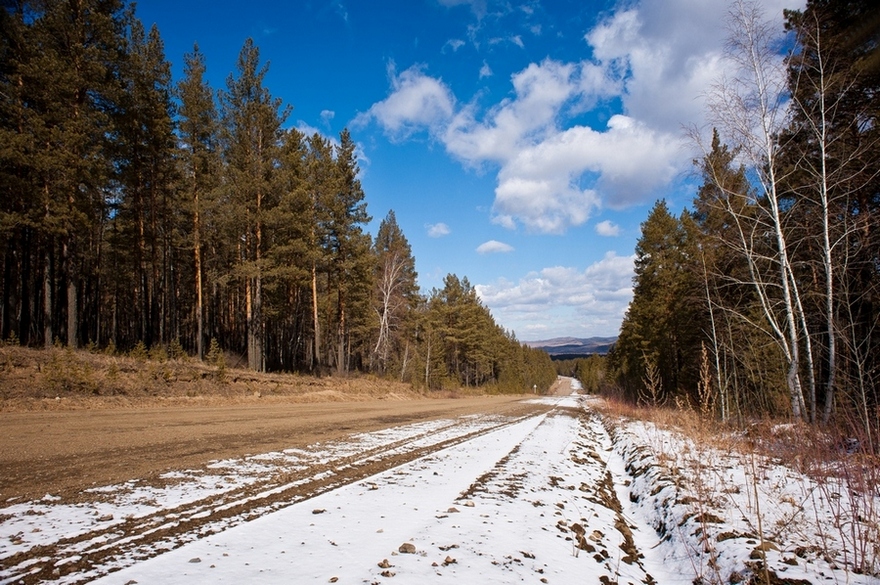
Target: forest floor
412, 490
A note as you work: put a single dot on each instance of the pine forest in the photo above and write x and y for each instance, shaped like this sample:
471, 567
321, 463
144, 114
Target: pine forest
136, 212
139, 212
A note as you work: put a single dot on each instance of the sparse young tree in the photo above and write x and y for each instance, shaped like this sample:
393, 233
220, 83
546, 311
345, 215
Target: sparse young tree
831, 145
748, 107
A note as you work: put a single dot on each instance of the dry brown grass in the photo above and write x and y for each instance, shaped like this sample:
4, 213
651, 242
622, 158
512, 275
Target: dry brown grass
64, 379
840, 479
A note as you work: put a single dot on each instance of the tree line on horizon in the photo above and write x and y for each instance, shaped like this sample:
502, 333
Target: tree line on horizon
764, 298
141, 212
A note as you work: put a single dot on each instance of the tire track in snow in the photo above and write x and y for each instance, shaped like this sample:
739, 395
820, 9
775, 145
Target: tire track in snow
278, 480
536, 502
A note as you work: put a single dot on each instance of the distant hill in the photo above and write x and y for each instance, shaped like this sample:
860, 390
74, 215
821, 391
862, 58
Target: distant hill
565, 347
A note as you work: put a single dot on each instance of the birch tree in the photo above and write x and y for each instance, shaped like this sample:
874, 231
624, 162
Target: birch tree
396, 291
831, 145
750, 109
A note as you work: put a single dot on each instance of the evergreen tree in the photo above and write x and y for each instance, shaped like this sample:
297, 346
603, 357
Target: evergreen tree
252, 133
661, 324
834, 180
199, 165
348, 250
65, 64
143, 221
724, 210
20, 214
320, 183
395, 294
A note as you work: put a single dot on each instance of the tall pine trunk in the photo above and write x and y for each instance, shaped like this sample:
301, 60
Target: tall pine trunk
69, 270
317, 324
197, 252
48, 334
340, 334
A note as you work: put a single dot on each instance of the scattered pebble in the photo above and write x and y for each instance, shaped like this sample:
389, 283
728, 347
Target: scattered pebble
407, 548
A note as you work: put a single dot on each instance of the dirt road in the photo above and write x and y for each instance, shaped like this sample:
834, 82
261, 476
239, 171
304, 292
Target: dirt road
87, 461
69, 456
63, 453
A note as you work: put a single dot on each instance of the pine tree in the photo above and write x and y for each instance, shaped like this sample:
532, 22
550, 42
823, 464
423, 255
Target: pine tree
286, 276
199, 164
396, 293
661, 323
67, 77
830, 149
144, 219
252, 121
19, 196
723, 210
320, 183
348, 249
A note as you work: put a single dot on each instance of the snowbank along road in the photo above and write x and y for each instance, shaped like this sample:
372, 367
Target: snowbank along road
546, 497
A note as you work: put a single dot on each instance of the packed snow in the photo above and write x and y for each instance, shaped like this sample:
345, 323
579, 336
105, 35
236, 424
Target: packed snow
568, 495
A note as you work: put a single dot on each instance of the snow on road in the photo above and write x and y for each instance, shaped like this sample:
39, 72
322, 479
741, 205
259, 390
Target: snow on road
532, 502
568, 495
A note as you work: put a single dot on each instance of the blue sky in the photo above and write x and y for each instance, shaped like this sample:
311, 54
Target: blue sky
520, 144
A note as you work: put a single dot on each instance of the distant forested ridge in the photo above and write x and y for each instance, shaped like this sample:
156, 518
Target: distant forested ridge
135, 211
764, 298
560, 347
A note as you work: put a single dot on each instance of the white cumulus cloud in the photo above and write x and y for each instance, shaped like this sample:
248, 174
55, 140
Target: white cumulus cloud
607, 228
416, 101
493, 247
657, 59
438, 230
564, 300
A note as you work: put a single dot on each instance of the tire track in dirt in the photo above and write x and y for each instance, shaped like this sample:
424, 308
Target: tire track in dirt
65, 452
105, 548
